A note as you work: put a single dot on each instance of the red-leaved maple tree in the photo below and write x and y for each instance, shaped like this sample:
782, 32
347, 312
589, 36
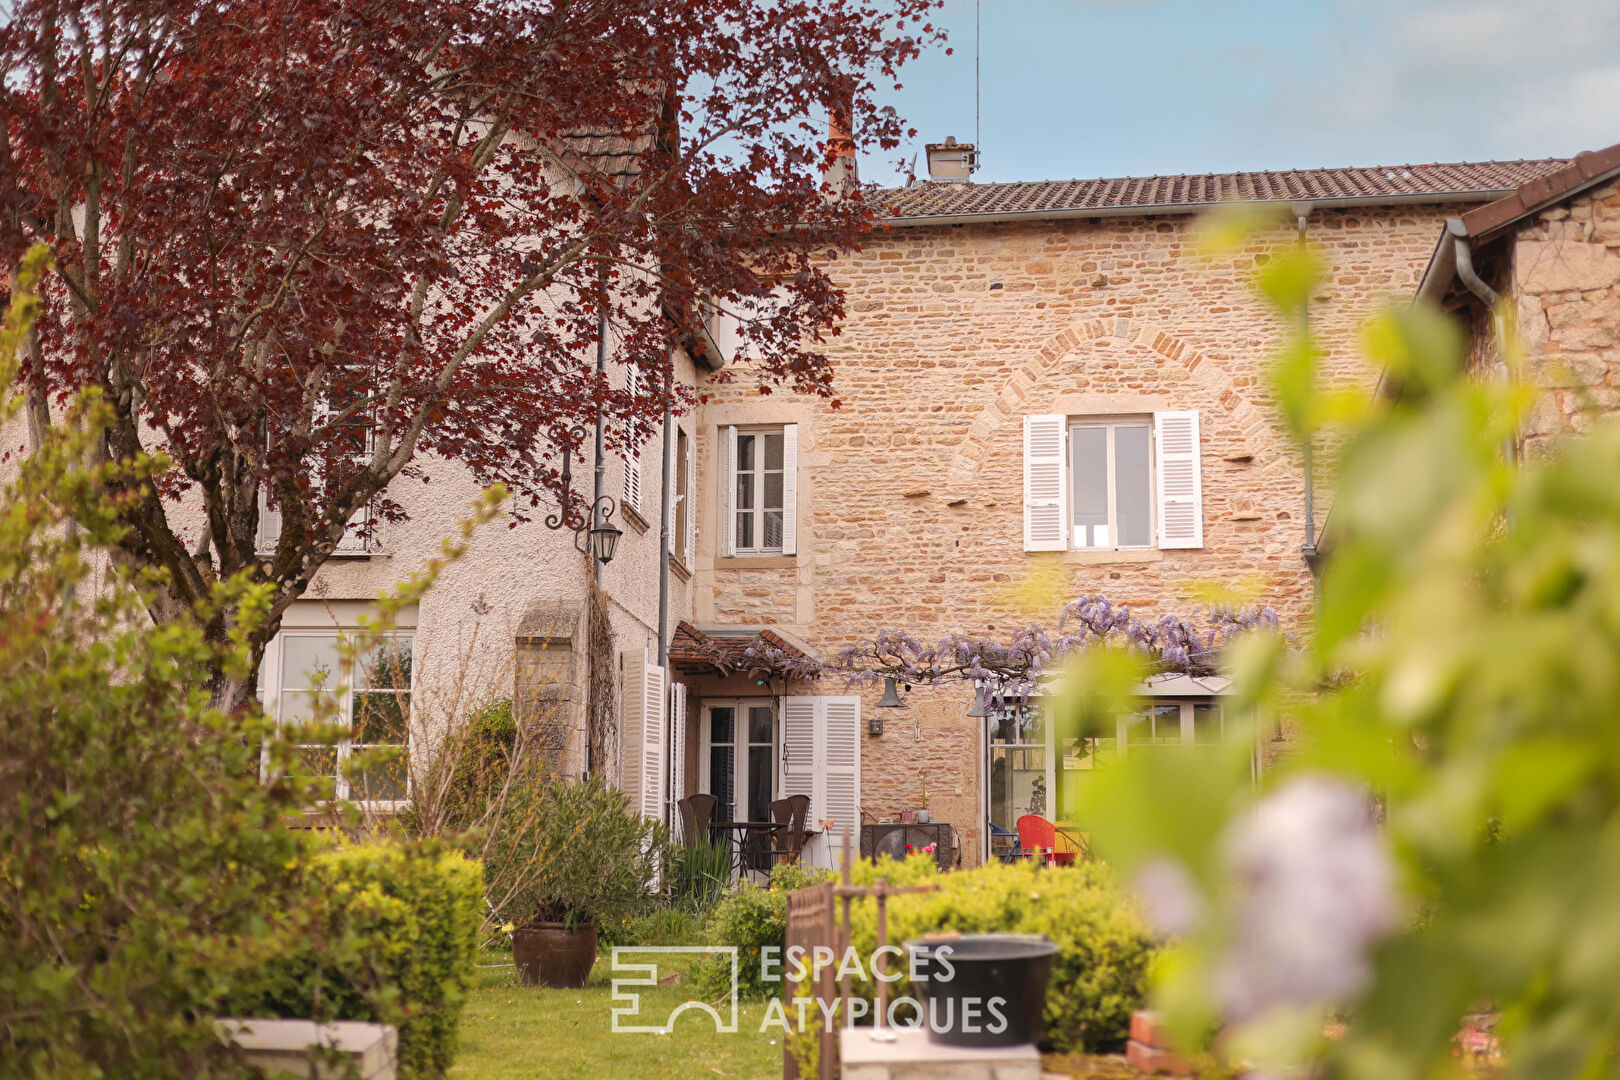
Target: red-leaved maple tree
301, 244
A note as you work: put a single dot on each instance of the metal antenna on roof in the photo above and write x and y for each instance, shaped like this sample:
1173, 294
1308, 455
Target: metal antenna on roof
978, 147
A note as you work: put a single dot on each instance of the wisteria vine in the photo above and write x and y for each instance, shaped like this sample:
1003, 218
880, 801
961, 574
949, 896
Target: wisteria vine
1012, 668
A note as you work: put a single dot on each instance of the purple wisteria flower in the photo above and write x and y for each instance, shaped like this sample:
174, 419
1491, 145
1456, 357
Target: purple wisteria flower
1315, 890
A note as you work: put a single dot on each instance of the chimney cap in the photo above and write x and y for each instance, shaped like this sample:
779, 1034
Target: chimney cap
950, 161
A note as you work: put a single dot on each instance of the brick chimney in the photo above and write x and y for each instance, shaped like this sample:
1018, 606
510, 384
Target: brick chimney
838, 172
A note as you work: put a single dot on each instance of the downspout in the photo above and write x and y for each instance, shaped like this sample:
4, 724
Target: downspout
1308, 550
664, 537
1493, 302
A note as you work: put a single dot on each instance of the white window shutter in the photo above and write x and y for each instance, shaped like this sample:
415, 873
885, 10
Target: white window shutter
643, 762
670, 493
691, 504
1046, 526
790, 489
632, 447
821, 758
799, 750
1180, 481
677, 748
269, 524
728, 490
841, 771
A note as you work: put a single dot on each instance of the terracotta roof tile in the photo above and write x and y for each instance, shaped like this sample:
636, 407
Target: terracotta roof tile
1445, 182
1540, 191
695, 652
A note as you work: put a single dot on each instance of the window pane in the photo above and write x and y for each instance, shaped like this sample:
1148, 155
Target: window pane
759, 723
720, 724
1159, 725
1132, 486
759, 783
773, 451
773, 491
309, 706
773, 529
745, 530
1088, 455
745, 491
720, 781
379, 716
308, 661
745, 453
1206, 723
385, 778
389, 668
315, 761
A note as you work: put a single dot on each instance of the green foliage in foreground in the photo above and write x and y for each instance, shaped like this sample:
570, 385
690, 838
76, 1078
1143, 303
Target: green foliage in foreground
1463, 668
143, 866
1099, 975
752, 918
396, 945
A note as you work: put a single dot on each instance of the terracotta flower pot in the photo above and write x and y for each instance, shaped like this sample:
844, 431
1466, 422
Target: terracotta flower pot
549, 954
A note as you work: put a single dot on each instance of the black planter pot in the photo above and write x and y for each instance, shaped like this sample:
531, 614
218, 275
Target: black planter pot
549, 954
990, 990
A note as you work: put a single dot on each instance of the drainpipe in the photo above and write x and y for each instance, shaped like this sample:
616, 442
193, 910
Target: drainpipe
1492, 301
663, 529
1308, 550
601, 459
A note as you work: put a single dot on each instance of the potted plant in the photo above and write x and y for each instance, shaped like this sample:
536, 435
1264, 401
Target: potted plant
923, 814
582, 855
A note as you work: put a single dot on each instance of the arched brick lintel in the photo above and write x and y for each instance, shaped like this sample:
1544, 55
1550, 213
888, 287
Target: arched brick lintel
1240, 412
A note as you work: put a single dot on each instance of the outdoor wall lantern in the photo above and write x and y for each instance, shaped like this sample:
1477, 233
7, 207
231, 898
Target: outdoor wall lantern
600, 535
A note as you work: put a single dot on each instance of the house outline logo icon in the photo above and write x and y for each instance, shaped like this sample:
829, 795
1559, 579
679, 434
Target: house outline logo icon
629, 975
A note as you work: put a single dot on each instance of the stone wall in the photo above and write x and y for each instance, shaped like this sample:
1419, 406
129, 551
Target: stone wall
910, 503
1566, 281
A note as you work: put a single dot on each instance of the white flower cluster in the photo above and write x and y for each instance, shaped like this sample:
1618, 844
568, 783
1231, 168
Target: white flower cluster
1315, 889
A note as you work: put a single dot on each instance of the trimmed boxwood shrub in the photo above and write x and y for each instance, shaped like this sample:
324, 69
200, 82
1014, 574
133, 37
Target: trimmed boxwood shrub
751, 917
397, 947
1099, 975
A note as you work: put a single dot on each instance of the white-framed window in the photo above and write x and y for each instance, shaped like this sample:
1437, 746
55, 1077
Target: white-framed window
304, 673
1112, 483
354, 439
738, 763
682, 523
759, 489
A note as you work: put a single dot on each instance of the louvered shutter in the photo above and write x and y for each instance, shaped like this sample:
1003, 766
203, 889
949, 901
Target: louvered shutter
691, 504
632, 447
1046, 526
677, 749
1180, 483
790, 489
799, 749
821, 758
671, 496
643, 762
840, 771
269, 523
728, 490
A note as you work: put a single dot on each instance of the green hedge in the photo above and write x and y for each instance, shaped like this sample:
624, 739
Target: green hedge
1099, 975
398, 947
751, 917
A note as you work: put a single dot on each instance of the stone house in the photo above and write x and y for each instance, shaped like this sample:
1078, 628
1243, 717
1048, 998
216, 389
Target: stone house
1046, 391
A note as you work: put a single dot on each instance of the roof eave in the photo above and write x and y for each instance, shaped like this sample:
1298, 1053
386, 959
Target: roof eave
1481, 195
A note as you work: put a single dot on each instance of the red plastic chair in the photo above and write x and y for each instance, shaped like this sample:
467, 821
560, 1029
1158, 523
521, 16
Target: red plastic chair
1038, 838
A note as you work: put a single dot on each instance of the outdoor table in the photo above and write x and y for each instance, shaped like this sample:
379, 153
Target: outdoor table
737, 834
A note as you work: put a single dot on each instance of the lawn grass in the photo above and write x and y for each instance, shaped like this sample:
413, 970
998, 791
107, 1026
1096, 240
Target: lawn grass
512, 1033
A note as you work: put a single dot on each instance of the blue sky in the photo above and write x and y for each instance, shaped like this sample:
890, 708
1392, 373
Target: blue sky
1085, 88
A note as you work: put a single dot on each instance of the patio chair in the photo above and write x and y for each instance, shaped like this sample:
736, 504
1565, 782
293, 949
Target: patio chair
1072, 846
1014, 852
792, 812
1038, 838
697, 811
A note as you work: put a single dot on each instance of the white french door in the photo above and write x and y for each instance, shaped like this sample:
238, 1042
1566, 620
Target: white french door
738, 762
